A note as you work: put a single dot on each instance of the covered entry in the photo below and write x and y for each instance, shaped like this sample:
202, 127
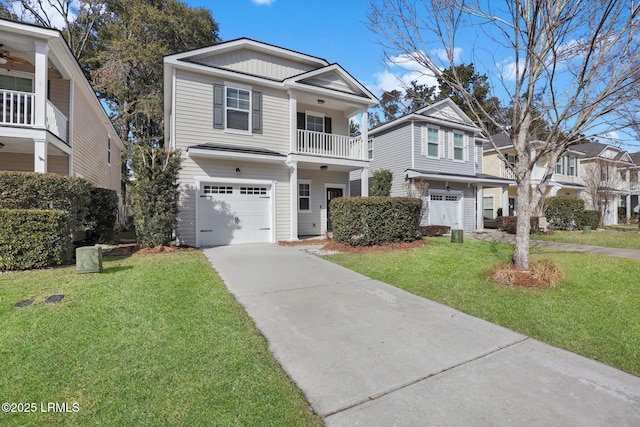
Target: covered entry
234, 213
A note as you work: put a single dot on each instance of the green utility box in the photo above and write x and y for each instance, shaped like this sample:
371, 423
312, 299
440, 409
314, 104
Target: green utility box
89, 259
456, 236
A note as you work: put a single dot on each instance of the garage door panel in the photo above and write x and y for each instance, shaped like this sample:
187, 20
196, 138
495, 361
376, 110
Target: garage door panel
445, 210
234, 214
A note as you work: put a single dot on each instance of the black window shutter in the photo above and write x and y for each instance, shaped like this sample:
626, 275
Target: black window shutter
301, 121
257, 112
327, 125
218, 107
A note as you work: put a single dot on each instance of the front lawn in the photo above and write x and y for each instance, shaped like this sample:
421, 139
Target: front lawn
593, 312
153, 340
611, 239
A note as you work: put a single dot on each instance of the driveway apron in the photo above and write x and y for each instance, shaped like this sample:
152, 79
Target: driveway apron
367, 353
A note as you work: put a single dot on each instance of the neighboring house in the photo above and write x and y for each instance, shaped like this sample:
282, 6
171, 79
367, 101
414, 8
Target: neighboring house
610, 177
565, 180
264, 135
435, 153
50, 118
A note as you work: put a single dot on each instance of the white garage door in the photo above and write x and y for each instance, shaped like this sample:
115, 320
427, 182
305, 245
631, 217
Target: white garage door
232, 214
445, 209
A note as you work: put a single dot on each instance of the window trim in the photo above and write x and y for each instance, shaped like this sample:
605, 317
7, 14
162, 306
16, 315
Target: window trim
427, 142
315, 114
249, 111
109, 150
308, 197
573, 173
493, 216
370, 148
461, 148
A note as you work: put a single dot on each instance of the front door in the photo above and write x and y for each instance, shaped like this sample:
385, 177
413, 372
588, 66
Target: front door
332, 193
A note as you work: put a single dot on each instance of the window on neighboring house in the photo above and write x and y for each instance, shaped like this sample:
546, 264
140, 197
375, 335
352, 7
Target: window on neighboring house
560, 166
370, 149
109, 150
238, 109
315, 123
458, 146
487, 207
433, 140
604, 173
511, 159
304, 196
572, 166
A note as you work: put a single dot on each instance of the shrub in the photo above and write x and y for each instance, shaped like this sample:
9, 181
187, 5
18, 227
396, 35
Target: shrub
34, 238
381, 183
367, 221
434, 230
31, 190
155, 194
507, 224
590, 218
564, 212
104, 211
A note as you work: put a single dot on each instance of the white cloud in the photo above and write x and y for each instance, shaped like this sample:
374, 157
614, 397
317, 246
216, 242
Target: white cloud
507, 69
57, 20
443, 55
263, 2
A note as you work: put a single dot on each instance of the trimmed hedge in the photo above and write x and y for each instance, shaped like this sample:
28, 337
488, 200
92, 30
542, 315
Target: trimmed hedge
31, 190
368, 221
564, 212
104, 211
590, 218
508, 224
34, 238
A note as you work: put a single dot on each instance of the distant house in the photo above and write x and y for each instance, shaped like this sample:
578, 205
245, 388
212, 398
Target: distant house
565, 180
50, 118
435, 153
264, 134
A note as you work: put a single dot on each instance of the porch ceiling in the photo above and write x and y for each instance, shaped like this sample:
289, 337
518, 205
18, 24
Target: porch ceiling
25, 146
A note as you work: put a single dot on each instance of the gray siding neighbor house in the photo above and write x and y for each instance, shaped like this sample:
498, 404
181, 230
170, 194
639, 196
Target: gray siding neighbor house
435, 153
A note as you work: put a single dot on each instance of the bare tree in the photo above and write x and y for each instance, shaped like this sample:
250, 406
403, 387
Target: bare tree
601, 178
574, 64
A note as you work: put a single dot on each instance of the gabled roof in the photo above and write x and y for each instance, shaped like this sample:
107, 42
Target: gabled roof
426, 115
334, 72
503, 141
635, 157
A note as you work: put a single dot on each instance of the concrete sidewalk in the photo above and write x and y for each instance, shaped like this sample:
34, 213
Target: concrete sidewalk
501, 236
367, 353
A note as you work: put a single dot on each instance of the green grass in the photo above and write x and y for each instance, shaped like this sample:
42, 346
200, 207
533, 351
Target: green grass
593, 312
153, 340
611, 239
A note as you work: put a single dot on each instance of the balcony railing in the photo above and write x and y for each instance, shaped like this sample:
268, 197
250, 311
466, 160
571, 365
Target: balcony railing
17, 108
330, 145
56, 121
507, 173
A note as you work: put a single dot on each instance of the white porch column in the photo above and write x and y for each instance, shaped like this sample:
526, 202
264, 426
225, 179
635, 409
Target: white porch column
293, 185
293, 123
364, 183
40, 155
479, 208
505, 201
364, 132
40, 84
628, 208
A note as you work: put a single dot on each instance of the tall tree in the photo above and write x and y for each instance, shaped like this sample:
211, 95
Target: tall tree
418, 96
575, 65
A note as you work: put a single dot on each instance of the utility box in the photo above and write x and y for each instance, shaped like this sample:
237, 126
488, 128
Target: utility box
88, 259
456, 236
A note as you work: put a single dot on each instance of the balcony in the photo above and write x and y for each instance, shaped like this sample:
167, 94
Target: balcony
507, 173
330, 145
18, 109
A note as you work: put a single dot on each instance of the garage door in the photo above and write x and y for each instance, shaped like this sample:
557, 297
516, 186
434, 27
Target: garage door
233, 214
444, 209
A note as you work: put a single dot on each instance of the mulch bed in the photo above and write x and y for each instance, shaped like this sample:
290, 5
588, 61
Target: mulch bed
133, 248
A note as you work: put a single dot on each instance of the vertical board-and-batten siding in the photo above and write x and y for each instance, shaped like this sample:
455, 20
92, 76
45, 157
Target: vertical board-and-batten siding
194, 116
90, 136
202, 167
257, 63
392, 151
330, 80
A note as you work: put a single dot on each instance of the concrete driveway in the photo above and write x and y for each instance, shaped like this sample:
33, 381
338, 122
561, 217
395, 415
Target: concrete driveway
366, 353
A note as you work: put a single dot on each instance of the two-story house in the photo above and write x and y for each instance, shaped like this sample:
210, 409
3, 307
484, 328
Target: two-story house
264, 136
435, 153
610, 177
565, 180
50, 118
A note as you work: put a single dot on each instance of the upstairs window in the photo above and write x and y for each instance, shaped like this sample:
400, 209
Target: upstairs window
458, 146
560, 166
572, 167
370, 149
238, 109
315, 123
433, 142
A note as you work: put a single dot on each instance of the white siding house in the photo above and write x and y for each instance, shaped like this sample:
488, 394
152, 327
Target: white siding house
264, 137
